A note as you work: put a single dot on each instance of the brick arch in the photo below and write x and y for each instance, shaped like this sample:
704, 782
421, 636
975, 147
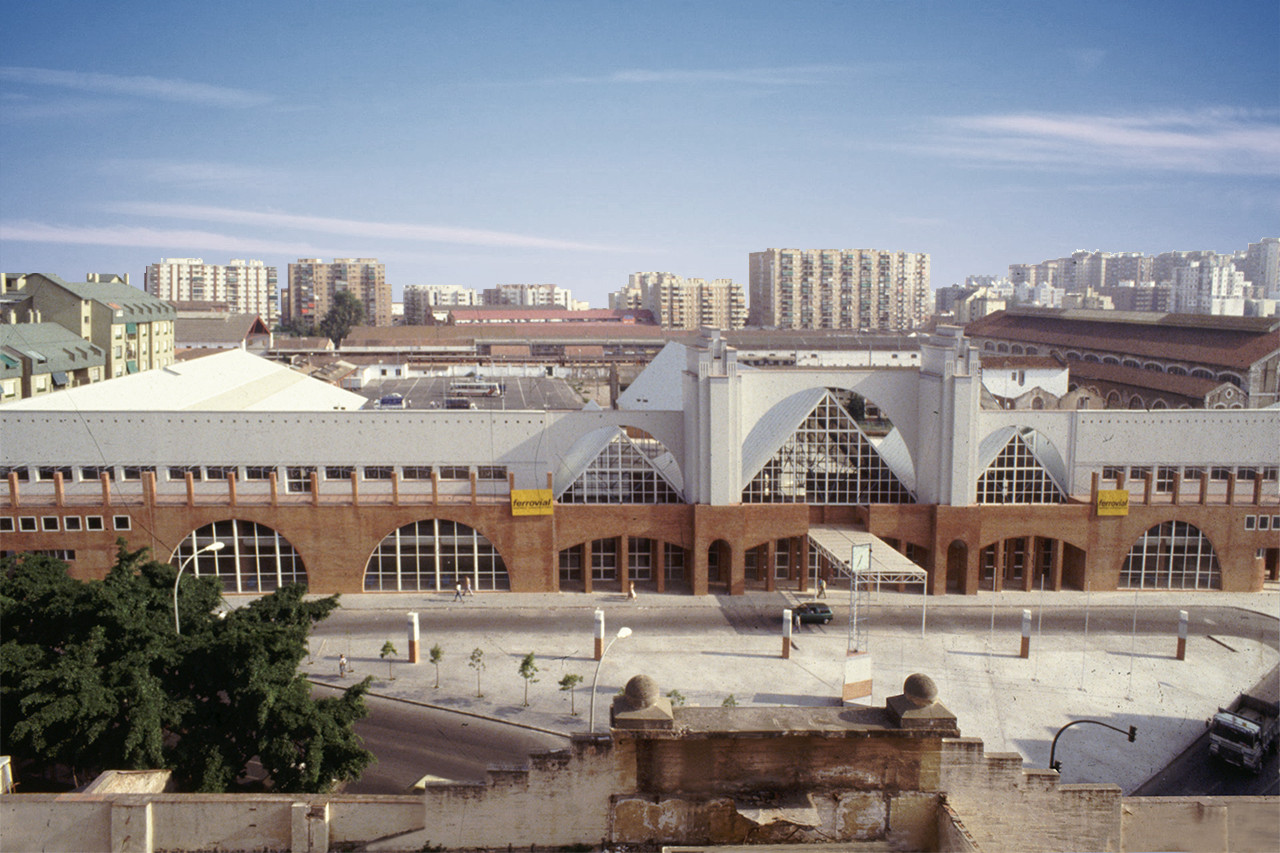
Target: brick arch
457, 553
255, 558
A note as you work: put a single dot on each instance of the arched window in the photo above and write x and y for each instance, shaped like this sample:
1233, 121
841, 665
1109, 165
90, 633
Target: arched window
434, 554
1171, 555
253, 558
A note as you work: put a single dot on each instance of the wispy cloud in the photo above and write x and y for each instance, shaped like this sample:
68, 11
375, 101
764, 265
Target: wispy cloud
169, 239
795, 75
359, 228
153, 88
1223, 141
191, 174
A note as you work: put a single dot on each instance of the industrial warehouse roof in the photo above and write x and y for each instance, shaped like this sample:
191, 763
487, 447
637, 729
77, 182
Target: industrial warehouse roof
1235, 342
229, 381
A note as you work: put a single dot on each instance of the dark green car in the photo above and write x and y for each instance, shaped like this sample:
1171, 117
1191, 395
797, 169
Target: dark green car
813, 611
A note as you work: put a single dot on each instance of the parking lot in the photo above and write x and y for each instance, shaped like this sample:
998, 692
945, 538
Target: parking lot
518, 392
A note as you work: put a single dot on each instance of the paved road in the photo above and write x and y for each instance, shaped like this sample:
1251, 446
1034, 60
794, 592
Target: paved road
411, 741
1222, 623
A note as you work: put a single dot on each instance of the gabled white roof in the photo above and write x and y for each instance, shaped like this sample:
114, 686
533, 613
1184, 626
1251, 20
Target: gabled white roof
774, 428
893, 450
230, 381
658, 386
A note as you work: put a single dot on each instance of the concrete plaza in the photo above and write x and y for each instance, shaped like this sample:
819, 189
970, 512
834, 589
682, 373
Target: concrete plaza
1013, 704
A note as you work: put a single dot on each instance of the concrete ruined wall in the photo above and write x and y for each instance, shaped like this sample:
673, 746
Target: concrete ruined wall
1202, 824
141, 823
561, 798
906, 820
1006, 808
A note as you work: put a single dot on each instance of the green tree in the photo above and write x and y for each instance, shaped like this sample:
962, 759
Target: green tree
437, 655
528, 669
476, 662
346, 312
570, 681
676, 697
730, 701
388, 651
93, 677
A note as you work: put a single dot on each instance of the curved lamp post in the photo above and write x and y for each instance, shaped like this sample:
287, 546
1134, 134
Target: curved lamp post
212, 546
623, 633
1057, 765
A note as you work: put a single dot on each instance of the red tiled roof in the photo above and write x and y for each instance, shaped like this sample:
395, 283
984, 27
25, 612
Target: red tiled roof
1233, 342
1135, 377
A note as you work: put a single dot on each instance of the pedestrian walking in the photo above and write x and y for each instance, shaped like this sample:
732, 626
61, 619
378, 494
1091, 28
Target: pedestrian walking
631, 592
457, 592
342, 665
466, 586
795, 621
822, 588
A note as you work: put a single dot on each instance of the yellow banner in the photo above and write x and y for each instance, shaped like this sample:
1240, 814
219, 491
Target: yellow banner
1113, 501
531, 502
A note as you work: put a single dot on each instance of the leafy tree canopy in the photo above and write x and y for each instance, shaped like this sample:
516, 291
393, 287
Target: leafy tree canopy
94, 677
346, 311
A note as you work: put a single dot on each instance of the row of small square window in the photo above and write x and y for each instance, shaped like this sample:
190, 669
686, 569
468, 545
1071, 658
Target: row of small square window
1217, 473
250, 473
67, 523
1262, 522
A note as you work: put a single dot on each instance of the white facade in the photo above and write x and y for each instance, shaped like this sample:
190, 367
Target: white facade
420, 299
1209, 287
247, 286
1262, 267
685, 303
529, 296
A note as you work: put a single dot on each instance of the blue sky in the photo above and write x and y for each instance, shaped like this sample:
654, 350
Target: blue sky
478, 143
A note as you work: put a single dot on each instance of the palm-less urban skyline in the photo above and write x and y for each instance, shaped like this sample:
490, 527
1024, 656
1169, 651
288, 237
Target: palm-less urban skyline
575, 143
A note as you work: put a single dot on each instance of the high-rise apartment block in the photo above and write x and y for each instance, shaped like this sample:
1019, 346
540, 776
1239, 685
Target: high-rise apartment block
245, 287
864, 289
528, 296
1262, 267
420, 299
313, 283
684, 303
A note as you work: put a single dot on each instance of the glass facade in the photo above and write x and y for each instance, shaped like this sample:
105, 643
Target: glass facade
624, 473
254, 558
1172, 555
1016, 476
434, 554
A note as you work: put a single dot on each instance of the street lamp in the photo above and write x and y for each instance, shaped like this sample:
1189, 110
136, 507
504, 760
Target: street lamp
1057, 765
622, 634
212, 546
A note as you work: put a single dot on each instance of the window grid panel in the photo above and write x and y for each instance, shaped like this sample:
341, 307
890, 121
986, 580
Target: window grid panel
1171, 555
254, 558
827, 460
623, 473
434, 555
1017, 477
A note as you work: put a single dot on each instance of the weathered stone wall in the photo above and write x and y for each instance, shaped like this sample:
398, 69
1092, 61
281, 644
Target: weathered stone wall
562, 798
792, 762
1006, 808
1239, 824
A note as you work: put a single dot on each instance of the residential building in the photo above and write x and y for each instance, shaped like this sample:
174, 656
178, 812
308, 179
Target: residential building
200, 328
863, 289
709, 476
1262, 268
133, 328
39, 358
1209, 286
313, 283
686, 303
245, 287
421, 301
528, 296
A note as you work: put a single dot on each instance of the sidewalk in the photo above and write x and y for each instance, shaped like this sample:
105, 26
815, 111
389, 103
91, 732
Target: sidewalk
1013, 704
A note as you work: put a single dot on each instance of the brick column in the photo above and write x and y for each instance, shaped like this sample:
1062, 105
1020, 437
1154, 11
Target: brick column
624, 563
586, 566
395, 488
660, 564
232, 494
314, 477
355, 487
472, 477
1231, 488
15, 496
802, 563
275, 488
1177, 487
1056, 577
59, 491
435, 487
190, 480
105, 479
997, 578
149, 487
